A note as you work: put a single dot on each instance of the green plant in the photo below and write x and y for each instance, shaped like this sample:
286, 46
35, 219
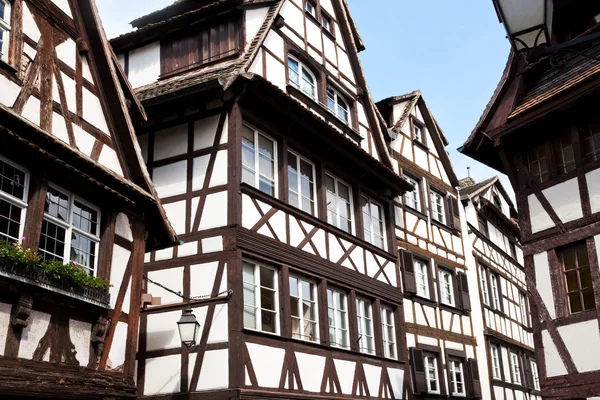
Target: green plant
55, 269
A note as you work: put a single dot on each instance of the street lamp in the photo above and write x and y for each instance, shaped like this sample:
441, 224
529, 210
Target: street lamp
188, 327
527, 22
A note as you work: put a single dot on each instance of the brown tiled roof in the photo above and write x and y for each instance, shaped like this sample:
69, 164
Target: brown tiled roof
558, 80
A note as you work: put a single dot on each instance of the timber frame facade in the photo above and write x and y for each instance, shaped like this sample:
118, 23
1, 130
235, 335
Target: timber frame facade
441, 339
270, 160
540, 128
74, 188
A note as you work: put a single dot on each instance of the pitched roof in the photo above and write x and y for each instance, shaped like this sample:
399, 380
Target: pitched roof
466, 192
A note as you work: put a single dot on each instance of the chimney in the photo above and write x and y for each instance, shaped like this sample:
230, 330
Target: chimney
466, 182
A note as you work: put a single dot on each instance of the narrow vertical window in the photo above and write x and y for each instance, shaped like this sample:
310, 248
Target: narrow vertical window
13, 200
339, 203
413, 199
365, 326
326, 23
536, 160
417, 132
535, 375
422, 278
258, 160
515, 368
578, 277
496, 292
483, 283
563, 153
373, 222
310, 8
388, 333
301, 77
337, 314
457, 377
301, 183
431, 373
483, 227
495, 362
438, 212
303, 296
4, 29
446, 288
337, 105
260, 297
524, 312
590, 137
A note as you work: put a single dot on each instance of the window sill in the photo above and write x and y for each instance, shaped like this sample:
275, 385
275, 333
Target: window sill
327, 33
415, 212
312, 17
445, 227
420, 144
5, 66
423, 300
453, 309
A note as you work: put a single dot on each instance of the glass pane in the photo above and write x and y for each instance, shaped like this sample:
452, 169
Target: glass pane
83, 251
12, 180
330, 301
248, 156
247, 136
575, 302
572, 281
266, 147
267, 299
294, 199
295, 307
268, 321
248, 272
266, 186
248, 177
249, 295
266, 167
249, 317
296, 328
294, 287
267, 277
52, 241
307, 292
588, 299
57, 204
582, 255
10, 220
569, 259
85, 218
585, 277
344, 192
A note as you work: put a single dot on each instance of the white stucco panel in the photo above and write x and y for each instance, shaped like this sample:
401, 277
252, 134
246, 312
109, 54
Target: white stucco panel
37, 325
267, 362
274, 43
171, 142
144, 65
176, 215
9, 92
396, 380
204, 132
171, 179
275, 71
373, 375
4, 323
171, 278
203, 278
214, 214
163, 375
120, 258
117, 350
540, 220
579, 339
108, 158
254, 20
345, 370
219, 173
543, 281
565, 200
122, 227
162, 330
215, 371
311, 369
554, 364
592, 178
80, 332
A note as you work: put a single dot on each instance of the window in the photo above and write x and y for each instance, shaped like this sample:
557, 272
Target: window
495, 362
301, 77
326, 23
563, 153
421, 278
446, 288
310, 8
417, 132
4, 29
70, 230
536, 160
457, 377
13, 200
515, 368
431, 373
373, 222
590, 137
365, 326
497, 202
258, 160
484, 285
260, 297
535, 375
523, 306
337, 105
388, 333
303, 298
413, 199
337, 310
301, 183
483, 227
339, 203
438, 212
513, 250
496, 292
578, 278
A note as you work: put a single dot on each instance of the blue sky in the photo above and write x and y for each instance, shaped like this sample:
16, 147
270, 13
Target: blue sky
454, 52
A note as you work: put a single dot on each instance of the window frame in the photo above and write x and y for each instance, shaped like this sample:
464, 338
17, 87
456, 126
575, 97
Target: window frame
301, 300
388, 321
371, 239
367, 319
444, 272
257, 174
417, 125
540, 157
482, 225
345, 312
587, 133
314, 8
302, 68
524, 309
417, 263
432, 194
496, 363
427, 356
337, 181
326, 20
559, 149
300, 194
452, 380
577, 270
535, 375
258, 300
515, 368
484, 285
416, 193
336, 102
23, 204
6, 27
496, 292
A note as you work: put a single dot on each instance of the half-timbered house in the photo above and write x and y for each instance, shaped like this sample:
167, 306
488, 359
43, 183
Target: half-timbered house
437, 303
271, 162
541, 129
73, 189
504, 333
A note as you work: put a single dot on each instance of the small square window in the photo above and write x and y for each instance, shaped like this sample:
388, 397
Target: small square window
326, 23
417, 133
310, 8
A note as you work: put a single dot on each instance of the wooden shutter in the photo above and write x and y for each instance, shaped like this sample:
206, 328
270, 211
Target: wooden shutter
410, 285
417, 366
464, 291
475, 381
455, 211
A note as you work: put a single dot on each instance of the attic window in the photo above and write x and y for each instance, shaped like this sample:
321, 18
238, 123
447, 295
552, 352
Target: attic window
326, 23
310, 8
337, 105
418, 132
4, 29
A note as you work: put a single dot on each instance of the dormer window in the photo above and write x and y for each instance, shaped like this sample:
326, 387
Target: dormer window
4, 29
326, 23
301, 77
337, 105
310, 8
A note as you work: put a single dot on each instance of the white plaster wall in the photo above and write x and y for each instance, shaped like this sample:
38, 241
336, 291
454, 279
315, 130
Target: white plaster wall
204, 132
293, 17
171, 179
9, 92
163, 375
540, 220
171, 278
80, 333
311, 369
254, 19
565, 200
373, 375
108, 158
275, 71
171, 142
214, 373
119, 262
267, 362
176, 215
37, 325
4, 324
122, 227
543, 281
162, 330
580, 338
345, 370
214, 214
117, 350
593, 184
144, 65
554, 364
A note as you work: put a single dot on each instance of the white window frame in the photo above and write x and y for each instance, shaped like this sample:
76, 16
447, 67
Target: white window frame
417, 128
310, 8
5, 25
326, 23
364, 322
431, 364
495, 356
435, 214
413, 199
515, 368
387, 322
15, 201
336, 223
302, 69
446, 288
483, 283
421, 272
301, 300
336, 324
535, 375
257, 297
372, 234
300, 194
256, 166
523, 306
337, 96
456, 366
496, 300
69, 228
